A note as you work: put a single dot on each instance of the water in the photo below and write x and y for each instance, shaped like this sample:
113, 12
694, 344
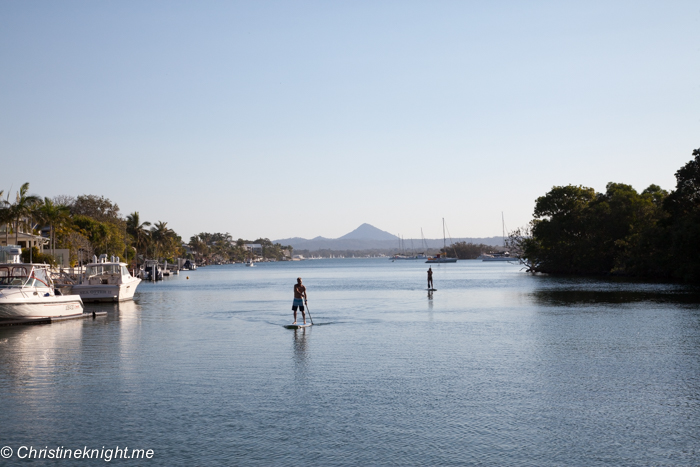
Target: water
497, 368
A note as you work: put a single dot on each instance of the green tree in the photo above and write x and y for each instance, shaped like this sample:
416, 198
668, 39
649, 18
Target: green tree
198, 246
97, 207
559, 229
55, 216
683, 224
5, 215
138, 232
22, 208
578, 231
464, 250
105, 237
167, 244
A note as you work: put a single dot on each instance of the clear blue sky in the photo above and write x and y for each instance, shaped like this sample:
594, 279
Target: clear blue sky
283, 119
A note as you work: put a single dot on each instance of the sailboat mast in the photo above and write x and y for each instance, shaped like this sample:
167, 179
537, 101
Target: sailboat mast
444, 242
503, 223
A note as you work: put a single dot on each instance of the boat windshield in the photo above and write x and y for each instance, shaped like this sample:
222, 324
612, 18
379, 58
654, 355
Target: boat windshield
99, 269
23, 276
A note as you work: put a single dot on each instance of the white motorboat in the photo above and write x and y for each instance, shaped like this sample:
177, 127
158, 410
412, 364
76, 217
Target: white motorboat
27, 292
106, 281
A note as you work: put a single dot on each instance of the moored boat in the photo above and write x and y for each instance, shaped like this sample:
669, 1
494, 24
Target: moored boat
502, 256
106, 281
189, 265
151, 271
408, 257
27, 292
442, 258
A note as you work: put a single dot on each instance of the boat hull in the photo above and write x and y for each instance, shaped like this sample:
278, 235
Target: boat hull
106, 292
442, 260
21, 308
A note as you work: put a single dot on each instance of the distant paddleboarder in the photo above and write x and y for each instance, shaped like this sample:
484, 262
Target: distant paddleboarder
299, 300
430, 277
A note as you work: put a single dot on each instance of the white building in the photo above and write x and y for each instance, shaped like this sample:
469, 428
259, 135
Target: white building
255, 248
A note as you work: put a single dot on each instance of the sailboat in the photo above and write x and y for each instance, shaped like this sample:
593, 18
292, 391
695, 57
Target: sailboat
406, 256
501, 256
442, 257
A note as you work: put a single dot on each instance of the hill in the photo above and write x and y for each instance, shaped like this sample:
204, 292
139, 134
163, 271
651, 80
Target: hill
368, 237
368, 232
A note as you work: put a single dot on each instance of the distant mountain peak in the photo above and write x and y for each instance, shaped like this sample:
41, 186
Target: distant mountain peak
368, 232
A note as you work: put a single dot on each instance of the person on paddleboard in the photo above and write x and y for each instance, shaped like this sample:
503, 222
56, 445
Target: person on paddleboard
430, 277
299, 300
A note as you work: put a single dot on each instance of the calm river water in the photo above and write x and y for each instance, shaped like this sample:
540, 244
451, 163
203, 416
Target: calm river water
498, 367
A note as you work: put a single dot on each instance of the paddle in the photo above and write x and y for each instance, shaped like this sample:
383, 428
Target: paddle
308, 311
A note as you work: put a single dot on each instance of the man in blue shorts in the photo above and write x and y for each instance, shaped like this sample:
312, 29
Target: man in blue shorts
299, 300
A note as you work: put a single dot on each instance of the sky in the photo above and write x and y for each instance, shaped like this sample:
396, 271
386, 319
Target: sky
286, 119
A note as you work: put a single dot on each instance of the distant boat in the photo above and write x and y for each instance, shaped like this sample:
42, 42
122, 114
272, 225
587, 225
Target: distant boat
501, 255
405, 256
151, 271
249, 261
416, 256
442, 258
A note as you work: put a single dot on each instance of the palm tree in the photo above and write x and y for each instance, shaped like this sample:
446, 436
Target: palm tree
5, 215
55, 216
161, 235
198, 246
137, 229
22, 207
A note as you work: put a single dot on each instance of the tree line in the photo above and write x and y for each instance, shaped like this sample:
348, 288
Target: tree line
213, 248
468, 250
86, 225
652, 234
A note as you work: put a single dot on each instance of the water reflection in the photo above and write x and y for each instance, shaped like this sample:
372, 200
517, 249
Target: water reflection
301, 351
300, 345
33, 355
561, 297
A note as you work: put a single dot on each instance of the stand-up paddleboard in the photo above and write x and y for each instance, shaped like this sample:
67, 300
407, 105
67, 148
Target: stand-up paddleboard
297, 326
431, 290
